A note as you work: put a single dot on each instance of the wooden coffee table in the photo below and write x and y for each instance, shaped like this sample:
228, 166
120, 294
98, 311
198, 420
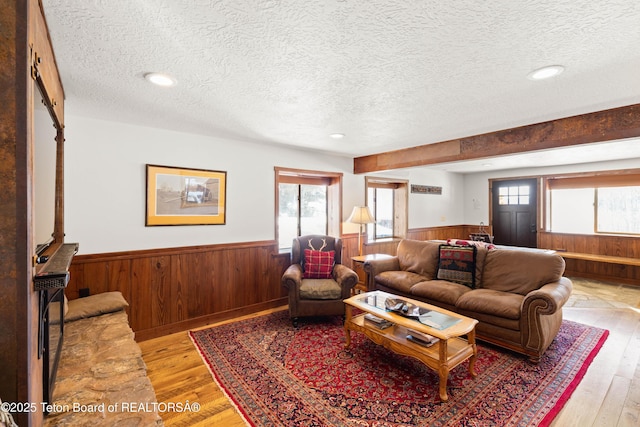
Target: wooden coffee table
448, 352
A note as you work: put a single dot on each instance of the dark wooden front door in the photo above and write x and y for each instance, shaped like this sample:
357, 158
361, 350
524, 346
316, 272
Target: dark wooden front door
514, 212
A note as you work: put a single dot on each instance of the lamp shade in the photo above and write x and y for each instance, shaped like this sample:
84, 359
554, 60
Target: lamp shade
361, 215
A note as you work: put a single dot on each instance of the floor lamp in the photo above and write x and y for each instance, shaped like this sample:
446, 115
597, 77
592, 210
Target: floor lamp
361, 215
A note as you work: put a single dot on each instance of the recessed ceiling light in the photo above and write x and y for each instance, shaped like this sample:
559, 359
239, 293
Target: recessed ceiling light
160, 79
337, 135
545, 72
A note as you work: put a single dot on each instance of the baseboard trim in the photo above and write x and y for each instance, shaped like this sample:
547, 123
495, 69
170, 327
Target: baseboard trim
197, 322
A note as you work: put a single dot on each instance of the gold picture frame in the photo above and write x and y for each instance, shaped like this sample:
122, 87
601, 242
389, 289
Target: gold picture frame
185, 196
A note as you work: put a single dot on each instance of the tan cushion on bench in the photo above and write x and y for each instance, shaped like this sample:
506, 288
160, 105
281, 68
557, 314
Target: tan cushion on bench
95, 305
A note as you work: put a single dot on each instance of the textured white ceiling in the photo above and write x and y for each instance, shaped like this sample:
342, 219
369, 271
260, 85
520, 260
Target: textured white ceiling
388, 74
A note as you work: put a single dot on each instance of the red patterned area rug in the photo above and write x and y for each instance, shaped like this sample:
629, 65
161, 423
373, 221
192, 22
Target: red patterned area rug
280, 376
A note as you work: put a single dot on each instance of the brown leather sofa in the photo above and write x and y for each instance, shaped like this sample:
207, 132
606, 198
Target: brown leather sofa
517, 297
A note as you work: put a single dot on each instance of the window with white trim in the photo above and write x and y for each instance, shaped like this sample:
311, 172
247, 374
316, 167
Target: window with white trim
603, 203
514, 195
387, 198
307, 202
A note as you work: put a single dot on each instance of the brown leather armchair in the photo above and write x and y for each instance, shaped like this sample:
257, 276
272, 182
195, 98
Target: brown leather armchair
317, 296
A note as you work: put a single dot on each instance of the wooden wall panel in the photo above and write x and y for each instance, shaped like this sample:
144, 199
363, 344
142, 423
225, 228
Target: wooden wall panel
279, 263
223, 293
178, 288
442, 233
602, 245
151, 285
197, 276
608, 272
141, 290
261, 273
113, 275
622, 246
384, 247
350, 241
162, 311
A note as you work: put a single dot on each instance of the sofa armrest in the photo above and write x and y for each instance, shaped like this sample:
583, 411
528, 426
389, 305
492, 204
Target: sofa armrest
542, 316
377, 266
548, 299
292, 277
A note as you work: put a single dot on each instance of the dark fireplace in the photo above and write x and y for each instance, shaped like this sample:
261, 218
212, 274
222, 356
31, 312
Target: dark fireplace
50, 281
50, 337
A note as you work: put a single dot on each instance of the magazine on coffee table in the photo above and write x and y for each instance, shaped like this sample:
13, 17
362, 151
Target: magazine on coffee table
379, 322
437, 320
421, 338
425, 316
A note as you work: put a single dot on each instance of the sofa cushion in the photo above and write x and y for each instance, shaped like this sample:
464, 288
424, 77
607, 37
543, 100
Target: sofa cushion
457, 264
520, 271
439, 290
320, 289
400, 280
495, 303
318, 264
420, 257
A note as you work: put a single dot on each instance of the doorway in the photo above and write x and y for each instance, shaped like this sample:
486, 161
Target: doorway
514, 209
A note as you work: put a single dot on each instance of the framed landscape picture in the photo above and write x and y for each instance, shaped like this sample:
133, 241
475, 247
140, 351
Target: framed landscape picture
184, 196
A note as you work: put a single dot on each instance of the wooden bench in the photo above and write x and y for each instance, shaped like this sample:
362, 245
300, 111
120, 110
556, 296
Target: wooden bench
601, 258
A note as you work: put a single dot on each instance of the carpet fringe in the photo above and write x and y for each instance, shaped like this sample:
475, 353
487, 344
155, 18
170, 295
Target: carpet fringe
562, 401
222, 388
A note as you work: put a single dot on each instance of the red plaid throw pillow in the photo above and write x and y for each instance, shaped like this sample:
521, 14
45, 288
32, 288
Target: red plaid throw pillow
318, 264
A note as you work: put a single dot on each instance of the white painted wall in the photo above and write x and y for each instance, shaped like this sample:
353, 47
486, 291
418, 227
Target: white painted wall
105, 184
433, 210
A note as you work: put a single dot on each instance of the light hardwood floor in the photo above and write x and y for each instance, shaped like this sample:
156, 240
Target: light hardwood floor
608, 396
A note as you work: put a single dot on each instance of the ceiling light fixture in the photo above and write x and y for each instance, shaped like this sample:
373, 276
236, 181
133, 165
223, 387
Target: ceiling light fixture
160, 79
337, 135
545, 72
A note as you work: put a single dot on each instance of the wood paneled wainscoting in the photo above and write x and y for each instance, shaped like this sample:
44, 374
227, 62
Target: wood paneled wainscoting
609, 258
602, 257
174, 289
389, 246
443, 233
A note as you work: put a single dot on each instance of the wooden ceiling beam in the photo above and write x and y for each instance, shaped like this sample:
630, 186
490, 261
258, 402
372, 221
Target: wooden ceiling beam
607, 125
